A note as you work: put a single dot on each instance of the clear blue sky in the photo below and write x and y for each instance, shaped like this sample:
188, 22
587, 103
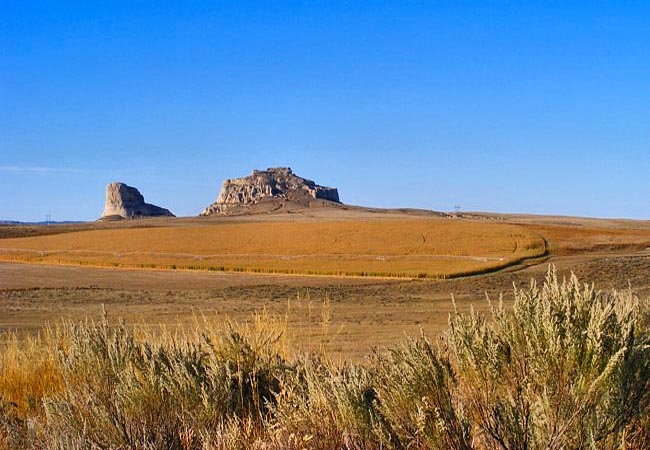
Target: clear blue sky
540, 107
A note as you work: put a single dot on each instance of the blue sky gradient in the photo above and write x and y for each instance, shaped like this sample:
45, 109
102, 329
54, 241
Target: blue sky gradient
536, 107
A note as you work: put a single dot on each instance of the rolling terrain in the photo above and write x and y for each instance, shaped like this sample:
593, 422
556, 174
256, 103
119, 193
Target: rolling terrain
79, 270
415, 248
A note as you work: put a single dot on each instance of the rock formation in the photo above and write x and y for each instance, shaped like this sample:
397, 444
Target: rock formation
126, 202
263, 185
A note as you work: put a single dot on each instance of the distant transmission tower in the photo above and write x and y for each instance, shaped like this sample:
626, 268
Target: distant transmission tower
457, 209
48, 218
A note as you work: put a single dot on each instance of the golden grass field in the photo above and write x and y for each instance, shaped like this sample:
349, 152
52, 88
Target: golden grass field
416, 248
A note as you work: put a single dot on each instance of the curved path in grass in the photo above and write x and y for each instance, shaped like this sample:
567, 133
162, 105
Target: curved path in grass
412, 248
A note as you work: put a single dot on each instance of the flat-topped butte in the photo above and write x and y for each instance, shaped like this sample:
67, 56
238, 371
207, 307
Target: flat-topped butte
272, 183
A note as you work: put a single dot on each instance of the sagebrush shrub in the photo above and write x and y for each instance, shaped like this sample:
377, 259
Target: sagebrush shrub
567, 368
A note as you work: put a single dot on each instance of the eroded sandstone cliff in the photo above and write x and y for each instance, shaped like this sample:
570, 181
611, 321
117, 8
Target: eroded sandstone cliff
126, 202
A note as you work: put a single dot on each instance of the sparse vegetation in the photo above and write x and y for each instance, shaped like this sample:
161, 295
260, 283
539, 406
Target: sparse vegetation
566, 368
413, 248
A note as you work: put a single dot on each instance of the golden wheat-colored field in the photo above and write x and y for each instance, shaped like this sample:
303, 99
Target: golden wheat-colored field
424, 248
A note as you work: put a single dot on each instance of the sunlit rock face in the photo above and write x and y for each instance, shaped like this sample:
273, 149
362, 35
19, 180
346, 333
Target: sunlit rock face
274, 182
126, 202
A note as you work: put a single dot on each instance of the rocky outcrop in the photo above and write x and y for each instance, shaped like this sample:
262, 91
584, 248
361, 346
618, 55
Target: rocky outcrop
262, 185
126, 202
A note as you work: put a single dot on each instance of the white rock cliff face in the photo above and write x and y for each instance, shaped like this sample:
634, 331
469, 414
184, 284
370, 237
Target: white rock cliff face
275, 182
126, 202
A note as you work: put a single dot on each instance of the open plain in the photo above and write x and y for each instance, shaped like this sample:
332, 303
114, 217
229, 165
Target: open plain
171, 272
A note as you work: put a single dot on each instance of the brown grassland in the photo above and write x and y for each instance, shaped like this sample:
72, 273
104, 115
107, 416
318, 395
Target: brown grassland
365, 311
232, 341
418, 248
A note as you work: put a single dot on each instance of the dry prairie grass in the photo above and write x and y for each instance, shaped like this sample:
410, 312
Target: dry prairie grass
418, 248
569, 240
567, 368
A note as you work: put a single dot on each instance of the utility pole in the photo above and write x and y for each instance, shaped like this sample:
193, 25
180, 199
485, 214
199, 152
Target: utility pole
48, 218
457, 209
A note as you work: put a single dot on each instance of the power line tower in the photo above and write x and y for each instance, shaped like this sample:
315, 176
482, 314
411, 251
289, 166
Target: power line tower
48, 218
457, 210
